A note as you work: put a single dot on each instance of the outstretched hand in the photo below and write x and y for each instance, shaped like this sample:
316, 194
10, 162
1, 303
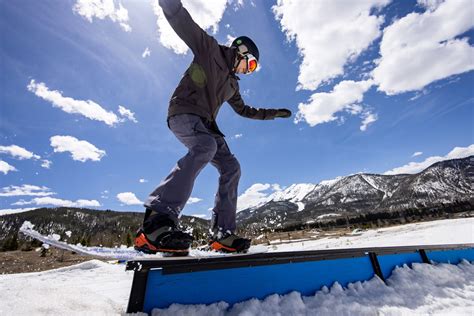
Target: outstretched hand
283, 113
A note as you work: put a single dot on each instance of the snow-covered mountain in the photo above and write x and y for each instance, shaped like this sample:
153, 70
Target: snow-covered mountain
443, 183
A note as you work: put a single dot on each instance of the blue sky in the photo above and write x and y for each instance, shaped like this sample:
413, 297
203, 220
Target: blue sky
380, 87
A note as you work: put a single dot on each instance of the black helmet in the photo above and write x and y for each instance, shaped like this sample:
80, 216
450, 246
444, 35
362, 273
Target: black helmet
246, 45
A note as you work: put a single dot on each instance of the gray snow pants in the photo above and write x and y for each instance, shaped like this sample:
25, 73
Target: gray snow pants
204, 146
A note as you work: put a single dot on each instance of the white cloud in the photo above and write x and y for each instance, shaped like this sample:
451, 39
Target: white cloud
88, 108
146, 53
143, 180
354, 109
193, 200
26, 189
18, 152
421, 48
101, 9
46, 164
59, 202
230, 39
415, 167
238, 4
328, 34
129, 198
256, 194
418, 153
200, 215
5, 167
104, 194
206, 14
323, 106
80, 150
430, 4
369, 118
127, 114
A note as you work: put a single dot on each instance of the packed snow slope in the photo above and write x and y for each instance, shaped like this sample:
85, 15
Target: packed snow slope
454, 231
101, 288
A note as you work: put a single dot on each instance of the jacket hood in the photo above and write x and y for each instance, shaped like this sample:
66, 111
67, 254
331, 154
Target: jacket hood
230, 54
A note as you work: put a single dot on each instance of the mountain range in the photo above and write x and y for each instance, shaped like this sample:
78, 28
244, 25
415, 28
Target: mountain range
442, 187
443, 183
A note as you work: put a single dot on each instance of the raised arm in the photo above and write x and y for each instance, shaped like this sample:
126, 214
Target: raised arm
244, 110
183, 24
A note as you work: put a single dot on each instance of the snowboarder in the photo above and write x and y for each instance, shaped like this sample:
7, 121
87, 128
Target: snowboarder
208, 82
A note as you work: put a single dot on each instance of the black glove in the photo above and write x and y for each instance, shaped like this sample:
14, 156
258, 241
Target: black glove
284, 113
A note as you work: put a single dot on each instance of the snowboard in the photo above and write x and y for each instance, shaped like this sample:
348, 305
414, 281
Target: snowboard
125, 253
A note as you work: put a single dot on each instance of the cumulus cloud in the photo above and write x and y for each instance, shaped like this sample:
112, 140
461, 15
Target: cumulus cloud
143, 180
418, 153
26, 189
127, 114
421, 48
415, 167
87, 108
322, 106
80, 150
146, 53
5, 167
328, 34
369, 118
59, 202
46, 164
255, 195
200, 215
207, 14
101, 9
18, 152
129, 198
193, 200
430, 4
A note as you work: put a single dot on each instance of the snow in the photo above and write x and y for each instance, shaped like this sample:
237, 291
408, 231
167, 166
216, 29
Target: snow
452, 231
9, 211
92, 287
294, 193
300, 206
326, 215
331, 182
96, 287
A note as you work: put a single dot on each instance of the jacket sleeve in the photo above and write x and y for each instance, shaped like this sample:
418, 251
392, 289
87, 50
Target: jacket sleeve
185, 27
244, 110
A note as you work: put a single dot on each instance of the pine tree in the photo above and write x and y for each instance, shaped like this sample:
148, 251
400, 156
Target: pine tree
129, 240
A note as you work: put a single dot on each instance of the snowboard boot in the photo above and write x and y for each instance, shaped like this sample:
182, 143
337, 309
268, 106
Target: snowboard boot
165, 237
228, 242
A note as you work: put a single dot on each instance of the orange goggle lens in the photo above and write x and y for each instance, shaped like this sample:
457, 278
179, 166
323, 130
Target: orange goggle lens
251, 65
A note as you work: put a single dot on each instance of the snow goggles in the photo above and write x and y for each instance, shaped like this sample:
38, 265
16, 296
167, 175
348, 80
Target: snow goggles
252, 63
